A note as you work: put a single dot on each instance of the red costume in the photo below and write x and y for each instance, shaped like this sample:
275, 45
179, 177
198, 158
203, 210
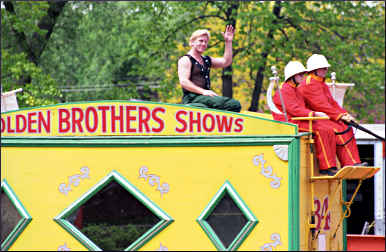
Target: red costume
318, 98
324, 136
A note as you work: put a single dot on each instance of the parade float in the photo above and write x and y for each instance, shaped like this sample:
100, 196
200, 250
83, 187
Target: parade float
136, 175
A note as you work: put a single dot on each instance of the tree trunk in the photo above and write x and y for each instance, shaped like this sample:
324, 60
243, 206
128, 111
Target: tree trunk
260, 72
47, 23
226, 76
227, 82
258, 85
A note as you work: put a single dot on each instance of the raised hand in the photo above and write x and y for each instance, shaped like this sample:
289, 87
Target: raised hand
229, 33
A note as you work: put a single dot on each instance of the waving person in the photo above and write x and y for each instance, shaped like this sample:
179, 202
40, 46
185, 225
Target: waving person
194, 72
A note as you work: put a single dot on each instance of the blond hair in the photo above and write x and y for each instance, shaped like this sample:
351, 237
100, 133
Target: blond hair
199, 33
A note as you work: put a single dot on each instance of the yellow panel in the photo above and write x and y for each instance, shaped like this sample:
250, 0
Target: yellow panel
194, 174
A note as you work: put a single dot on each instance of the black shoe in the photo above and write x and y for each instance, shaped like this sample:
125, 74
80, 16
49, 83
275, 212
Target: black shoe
361, 164
327, 172
333, 169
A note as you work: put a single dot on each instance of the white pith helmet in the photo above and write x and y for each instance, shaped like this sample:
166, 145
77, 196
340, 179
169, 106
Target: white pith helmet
317, 61
293, 68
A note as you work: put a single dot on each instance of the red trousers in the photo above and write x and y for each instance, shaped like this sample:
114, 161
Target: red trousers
329, 145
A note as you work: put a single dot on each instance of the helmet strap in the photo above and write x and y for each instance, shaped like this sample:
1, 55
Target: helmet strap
315, 72
292, 79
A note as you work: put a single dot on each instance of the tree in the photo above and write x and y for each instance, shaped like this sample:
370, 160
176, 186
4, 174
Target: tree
125, 58
28, 28
273, 33
351, 45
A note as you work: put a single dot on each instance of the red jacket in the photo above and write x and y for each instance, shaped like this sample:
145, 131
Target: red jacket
293, 101
318, 97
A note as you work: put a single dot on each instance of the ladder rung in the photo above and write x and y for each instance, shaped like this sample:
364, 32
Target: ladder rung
350, 172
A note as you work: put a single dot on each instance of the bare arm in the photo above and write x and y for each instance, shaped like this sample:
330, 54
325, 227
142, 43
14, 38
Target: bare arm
226, 60
184, 66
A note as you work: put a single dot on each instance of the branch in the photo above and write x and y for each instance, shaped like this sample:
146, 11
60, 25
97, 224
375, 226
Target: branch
240, 49
38, 43
48, 23
335, 32
215, 44
189, 22
324, 28
297, 27
183, 25
285, 34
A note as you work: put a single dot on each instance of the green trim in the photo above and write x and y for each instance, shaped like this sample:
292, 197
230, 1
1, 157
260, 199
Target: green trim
252, 220
140, 141
293, 195
114, 175
344, 233
23, 222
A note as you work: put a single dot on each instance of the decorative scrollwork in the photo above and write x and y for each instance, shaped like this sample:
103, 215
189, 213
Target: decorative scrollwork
275, 237
142, 172
74, 180
153, 180
64, 248
162, 248
164, 188
266, 171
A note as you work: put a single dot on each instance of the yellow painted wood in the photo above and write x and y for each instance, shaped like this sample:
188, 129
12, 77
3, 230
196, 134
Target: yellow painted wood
194, 174
351, 172
263, 115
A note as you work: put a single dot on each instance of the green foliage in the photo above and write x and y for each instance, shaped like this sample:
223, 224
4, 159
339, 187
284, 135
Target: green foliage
353, 46
129, 58
27, 14
40, 90
112, 237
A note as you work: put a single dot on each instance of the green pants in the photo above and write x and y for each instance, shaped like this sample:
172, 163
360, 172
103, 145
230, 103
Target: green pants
215, 102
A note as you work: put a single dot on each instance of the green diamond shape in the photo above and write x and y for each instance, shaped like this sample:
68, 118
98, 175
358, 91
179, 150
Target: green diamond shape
215, 218
113, 177
11, 199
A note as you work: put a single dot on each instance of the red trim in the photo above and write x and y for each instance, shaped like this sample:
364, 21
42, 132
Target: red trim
323, 151
365, 242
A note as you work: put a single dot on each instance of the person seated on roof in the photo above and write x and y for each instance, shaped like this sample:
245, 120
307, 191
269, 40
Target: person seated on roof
194, 70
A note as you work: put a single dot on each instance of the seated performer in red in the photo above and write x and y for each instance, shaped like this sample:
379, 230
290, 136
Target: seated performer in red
318, 97
325, 139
